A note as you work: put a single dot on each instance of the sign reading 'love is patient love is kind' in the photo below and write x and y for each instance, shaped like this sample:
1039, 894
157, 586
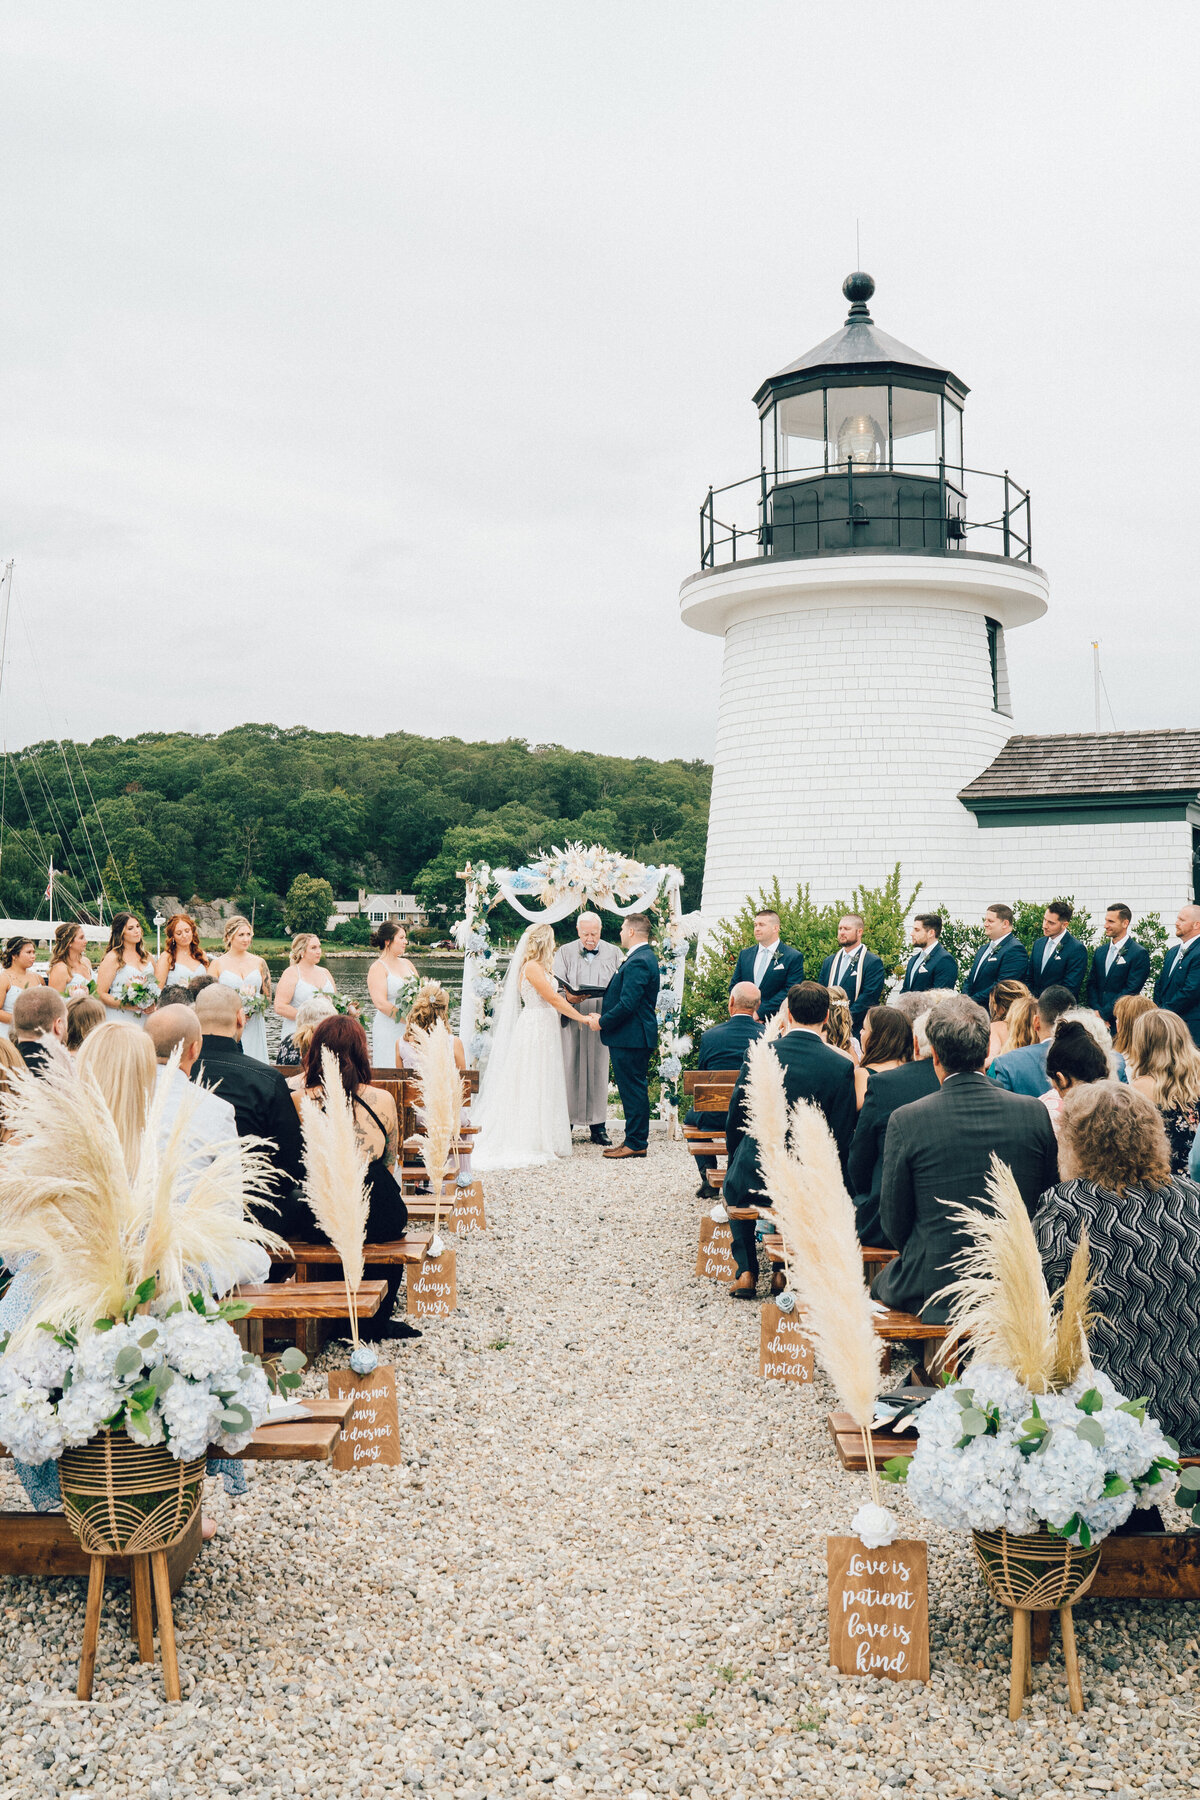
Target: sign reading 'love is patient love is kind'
879, 1609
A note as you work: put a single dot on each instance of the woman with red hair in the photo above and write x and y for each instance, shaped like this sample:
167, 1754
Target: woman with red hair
183, 959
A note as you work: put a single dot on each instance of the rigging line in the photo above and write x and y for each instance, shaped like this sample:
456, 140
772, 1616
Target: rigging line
1104, 690
74, 795
100, 821
29, 813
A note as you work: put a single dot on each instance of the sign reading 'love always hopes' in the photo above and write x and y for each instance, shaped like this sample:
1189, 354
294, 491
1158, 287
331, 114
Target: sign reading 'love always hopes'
714, 1258
879, 1609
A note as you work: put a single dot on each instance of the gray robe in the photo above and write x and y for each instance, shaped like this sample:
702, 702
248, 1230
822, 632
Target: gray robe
585, 1058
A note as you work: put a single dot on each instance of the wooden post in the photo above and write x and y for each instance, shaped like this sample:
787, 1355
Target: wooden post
1020, 1662
1066, 1620
91, 1627
166, 1624
141, 1607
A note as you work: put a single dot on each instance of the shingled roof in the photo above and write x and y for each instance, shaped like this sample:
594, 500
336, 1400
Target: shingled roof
1091, 762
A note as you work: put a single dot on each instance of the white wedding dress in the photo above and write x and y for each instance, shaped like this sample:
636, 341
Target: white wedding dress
522, 1109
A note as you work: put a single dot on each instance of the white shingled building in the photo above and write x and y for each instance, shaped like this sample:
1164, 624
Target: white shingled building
863, 582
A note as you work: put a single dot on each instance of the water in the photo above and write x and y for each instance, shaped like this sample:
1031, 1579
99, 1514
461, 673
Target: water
350, 974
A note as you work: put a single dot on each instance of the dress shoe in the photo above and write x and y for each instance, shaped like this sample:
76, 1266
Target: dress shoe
393, 1329
706, 1191
623, 1150
778, 1282
600, 1135
744, 1288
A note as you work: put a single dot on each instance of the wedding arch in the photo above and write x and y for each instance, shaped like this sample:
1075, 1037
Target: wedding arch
559, 883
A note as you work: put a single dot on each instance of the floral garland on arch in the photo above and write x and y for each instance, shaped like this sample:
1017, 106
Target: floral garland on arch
565, 881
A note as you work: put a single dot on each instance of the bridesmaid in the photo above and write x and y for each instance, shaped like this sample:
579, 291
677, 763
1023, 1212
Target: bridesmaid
385, 978
16, 972
70, 971
125, 960
183, 959
249, 974
297, 984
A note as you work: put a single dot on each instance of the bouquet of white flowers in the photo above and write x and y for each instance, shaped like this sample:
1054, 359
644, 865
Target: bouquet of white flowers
343, 1004
406, 998
141, 994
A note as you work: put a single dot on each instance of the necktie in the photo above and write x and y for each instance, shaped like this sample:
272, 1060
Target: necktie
1111, 958
1048, 952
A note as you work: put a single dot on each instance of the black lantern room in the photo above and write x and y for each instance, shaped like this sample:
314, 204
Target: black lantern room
862, 444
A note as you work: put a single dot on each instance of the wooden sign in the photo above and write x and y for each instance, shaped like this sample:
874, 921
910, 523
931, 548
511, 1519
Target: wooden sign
372, 1432
468, 1215
784, 1349
715, 1255
879, 1609
433, 1288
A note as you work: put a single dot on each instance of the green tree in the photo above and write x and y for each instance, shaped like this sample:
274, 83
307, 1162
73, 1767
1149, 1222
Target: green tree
309, 905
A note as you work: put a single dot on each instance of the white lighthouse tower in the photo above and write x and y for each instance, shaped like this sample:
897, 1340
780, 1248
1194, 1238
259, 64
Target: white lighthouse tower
863, 581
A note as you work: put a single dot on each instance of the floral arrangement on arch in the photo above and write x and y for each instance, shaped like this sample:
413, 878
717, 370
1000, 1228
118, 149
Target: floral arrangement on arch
1032, 1436
590, 873
474, 937
669, 940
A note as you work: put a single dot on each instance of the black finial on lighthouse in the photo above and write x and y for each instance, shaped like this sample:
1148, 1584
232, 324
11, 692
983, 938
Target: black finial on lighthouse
858, 289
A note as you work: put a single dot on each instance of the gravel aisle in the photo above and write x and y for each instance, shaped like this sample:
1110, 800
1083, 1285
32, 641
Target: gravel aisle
601, 1570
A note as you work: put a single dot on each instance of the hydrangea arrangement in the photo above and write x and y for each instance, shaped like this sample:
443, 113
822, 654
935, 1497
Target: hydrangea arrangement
174, 1375
141, 994
991, 1455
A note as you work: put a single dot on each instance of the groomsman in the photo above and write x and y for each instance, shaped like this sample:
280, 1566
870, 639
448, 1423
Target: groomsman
724, 1046
1177, 989
1057, 959
769, 966
929, 966
855, 968
1003, 958
1119, 967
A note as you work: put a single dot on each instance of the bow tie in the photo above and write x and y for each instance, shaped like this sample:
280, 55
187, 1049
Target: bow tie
591, 952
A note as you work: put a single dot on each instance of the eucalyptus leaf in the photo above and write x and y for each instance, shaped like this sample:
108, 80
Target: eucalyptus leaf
965, 1397
1137, 1408
236, 1418
150, 1338
974, 1422
233, 1309
292, 1359
1189, 1479
1091, 1431
162, 1377
127, 1361
103, 1324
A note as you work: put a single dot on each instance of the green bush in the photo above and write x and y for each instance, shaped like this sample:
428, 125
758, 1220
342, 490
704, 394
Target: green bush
354, 930
809, 928
308, 905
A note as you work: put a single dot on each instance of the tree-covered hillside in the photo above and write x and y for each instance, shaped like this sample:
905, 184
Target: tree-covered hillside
244, 812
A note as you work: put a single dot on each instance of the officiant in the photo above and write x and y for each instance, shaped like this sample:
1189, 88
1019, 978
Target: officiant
584, 969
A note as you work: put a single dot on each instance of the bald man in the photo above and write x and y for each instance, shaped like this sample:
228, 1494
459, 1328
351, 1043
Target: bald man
39, 1026
1177, 989
584, 969
724, 1046
259, 1095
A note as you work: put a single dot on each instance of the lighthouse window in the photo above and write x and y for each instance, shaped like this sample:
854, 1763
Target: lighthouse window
915, 431
993, 637
953, 439
857, 421
801, 426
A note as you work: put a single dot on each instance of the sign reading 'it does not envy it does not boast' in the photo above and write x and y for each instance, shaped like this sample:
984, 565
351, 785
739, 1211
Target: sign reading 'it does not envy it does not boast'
372, 1432
879, 1609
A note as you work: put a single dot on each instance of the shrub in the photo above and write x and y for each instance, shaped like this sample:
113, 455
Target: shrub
308, 905
354, 930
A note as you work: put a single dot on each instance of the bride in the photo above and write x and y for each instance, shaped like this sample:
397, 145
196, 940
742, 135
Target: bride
522, 1110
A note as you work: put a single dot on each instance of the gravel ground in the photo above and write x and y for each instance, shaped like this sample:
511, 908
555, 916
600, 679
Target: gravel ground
600, 1570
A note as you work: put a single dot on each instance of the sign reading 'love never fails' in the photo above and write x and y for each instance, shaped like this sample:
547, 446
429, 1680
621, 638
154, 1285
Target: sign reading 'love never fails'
879, 1609
372, 1432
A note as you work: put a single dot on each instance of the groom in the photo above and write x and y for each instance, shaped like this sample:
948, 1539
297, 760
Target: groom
629, 1026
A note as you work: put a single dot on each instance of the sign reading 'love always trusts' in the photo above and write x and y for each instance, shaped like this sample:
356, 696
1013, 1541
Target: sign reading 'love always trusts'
879, 1609
372, 1432
433, 1288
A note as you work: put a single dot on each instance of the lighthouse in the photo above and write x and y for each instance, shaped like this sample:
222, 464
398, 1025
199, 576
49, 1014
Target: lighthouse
863, 580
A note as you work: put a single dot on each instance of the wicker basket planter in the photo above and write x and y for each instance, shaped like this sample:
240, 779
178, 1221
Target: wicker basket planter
126, 1499
1039, 1573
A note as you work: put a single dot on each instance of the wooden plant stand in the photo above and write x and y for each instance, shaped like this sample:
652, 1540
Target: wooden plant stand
1019, 1678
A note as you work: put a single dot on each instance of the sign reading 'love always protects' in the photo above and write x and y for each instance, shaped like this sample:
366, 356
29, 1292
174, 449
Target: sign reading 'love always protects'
879, 1609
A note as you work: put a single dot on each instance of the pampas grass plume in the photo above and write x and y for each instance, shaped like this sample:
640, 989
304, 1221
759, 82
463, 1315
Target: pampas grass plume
441, 1102
336, 1164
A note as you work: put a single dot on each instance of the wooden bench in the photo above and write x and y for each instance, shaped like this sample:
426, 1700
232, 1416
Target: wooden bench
300, 1301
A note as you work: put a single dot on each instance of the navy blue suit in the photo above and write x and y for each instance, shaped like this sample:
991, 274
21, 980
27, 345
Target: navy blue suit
939, 970
1128, 975
1177, 989
783, 971
629, 1026
863, 983
1006, 961
1066, 967
722, 1046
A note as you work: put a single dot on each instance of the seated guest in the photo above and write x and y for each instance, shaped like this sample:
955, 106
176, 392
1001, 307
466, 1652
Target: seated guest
811, 1071
1022, 1023
308, 1017
886, 1091
1127, 1011
1120, 967
1057, 959
1165, 1067
1143, 1227
723, 1046
1003, 997
887, 1041
939, 1151
839, 1024
1003, 958
259, 1096
929, 966
1177, 989
855, 969
178, 994
1073, 1059
121, 1063
1024, 1071
378, 1130
84, 1013
768, 965
39, 1025
432, 1007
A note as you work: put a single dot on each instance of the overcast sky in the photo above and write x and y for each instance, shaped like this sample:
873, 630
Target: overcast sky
364, 367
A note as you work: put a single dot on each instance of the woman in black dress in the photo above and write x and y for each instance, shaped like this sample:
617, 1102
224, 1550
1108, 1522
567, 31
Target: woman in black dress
1143, 1226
